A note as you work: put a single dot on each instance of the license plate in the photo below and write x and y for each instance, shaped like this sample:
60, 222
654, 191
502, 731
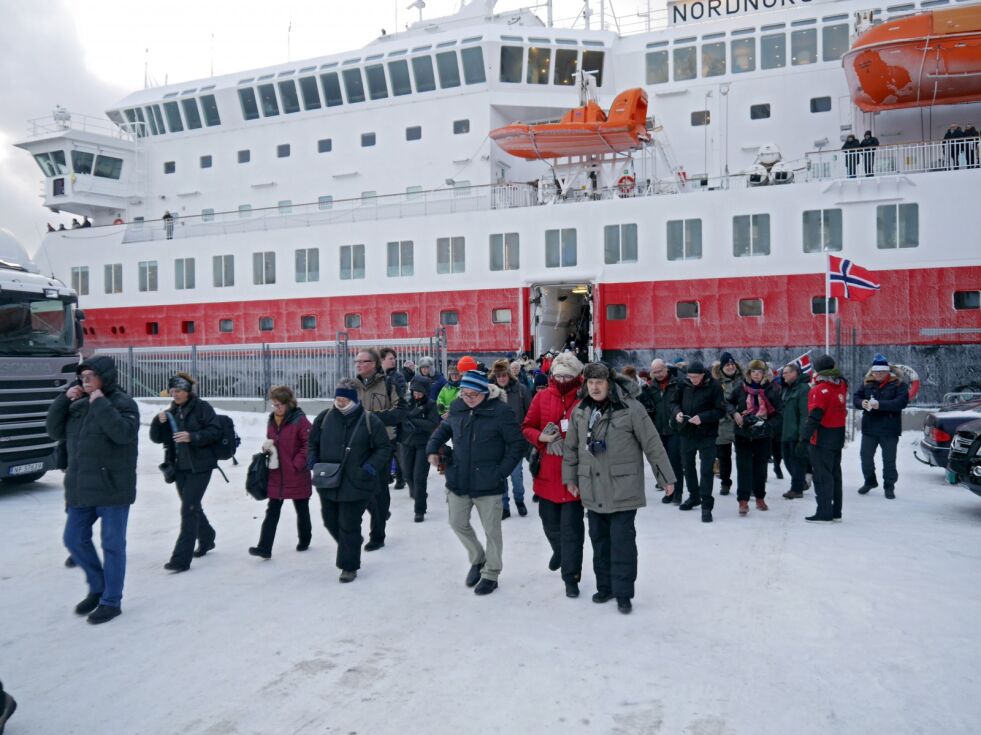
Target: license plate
26, 469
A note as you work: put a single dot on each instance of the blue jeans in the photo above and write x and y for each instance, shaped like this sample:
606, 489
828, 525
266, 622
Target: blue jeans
517, 486
104, 578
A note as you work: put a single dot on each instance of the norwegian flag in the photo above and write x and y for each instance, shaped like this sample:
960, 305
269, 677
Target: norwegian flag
849, 281
804, 363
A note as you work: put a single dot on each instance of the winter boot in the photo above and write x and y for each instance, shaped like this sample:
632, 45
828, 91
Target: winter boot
522, 508
87, 605
693, 502
505, 514
793, 494
555, 563
473, 576
485, 586
726, 488
601, 597
70, 563
203, 549
8, 705
668, 499
624, 605
777, 471
419, 517
890, 492
571, 589
870, 482
103, 614
707, 506
261, 553
348, 575
743, 507
761, 504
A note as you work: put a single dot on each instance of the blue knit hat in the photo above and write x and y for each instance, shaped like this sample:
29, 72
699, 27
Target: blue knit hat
474, 380
880, 363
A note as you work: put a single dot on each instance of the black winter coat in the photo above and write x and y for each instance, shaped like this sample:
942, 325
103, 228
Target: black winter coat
773, 425
419, 423
887, 419
199, 419
332, 433
487, 446
705, 401
658, 403
102, 439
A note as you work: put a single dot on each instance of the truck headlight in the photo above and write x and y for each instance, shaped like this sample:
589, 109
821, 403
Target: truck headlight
976, 471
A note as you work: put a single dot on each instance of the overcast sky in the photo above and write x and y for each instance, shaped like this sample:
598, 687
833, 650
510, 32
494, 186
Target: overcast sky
87, 55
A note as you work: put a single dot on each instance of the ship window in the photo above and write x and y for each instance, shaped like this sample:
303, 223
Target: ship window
44, 161
187, 327
897, 225
449, 318
714, 59
834, 41
285, 206
173, 114
620, 243
686, 309
210, 107
82, 162
743, 55
169, 167
501, 316
422, 71
398, 73
244, 156
308, 321
266, 324
268, 101
153, 123
332, 89
80, 280
325, 145
108, 167
820, 104
473, 65
750, 235
684, 239
451, 255
207, 215
264, 268
701, 117
461, 127
307, 265
152, 328
512, 58
367, 140
963, 300
592, 63
819, 305
226, 325
413, 132
158, 116
566, 65
191, 113
205, 161
283, 150
310, 93
448, 68
803, 46
400, 318
616, 312
369, 198
183, 273
539, 60
352, 262
131, 125
684, 64
773, 50
325, 202
353, 85
413, 192
400, 259
657, 67
250, 108
759, 112
352, 321
244, 210
287, 93
223, 270
504, 252
822, 230
377, 86
750, 307
113, 277
560, 248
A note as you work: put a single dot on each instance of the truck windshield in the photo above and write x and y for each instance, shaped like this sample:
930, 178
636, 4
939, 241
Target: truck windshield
31, 324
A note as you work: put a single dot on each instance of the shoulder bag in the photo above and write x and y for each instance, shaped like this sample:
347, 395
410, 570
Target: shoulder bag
328, 475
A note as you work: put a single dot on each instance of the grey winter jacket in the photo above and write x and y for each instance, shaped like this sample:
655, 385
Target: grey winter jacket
612, 480
727, 427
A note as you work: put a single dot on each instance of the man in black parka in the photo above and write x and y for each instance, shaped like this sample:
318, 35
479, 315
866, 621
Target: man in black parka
99, 424
657, 398
882, 398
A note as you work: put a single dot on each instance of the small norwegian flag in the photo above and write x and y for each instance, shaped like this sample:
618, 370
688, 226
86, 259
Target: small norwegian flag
849, 281
804, 363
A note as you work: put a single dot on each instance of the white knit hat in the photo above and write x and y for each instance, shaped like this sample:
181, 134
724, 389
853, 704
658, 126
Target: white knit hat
567, 364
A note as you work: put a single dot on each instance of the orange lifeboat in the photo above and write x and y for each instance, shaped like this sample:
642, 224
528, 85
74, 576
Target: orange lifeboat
583, 131
926, 59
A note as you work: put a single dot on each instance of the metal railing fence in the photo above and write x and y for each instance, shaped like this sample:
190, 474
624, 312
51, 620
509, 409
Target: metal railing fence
893, 160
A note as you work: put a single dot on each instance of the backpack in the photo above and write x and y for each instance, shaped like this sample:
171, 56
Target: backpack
257, 476
226, 446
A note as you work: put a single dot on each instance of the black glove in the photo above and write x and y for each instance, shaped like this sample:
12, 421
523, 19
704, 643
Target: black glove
801, 450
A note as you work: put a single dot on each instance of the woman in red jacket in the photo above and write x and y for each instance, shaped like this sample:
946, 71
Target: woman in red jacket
289, 479
544, 427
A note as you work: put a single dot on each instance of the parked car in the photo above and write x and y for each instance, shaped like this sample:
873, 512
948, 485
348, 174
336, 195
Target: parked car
941, 426
964, 463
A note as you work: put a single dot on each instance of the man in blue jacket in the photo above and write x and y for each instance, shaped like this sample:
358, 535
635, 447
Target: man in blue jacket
882, 398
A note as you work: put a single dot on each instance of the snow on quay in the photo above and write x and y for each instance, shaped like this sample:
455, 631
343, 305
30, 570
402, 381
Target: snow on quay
764, 624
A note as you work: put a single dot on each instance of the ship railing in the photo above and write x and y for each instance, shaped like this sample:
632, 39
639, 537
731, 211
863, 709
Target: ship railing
312, 369
62, 120
892, 160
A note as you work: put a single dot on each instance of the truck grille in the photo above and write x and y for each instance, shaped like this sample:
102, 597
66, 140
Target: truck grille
24, 402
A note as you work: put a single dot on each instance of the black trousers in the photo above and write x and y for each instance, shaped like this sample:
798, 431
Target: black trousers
400, 476
705, 448
888, 444
194, 523
304, 529
672, 445
752, 458
826, 468
416, 468
378, 508
776, 452
566, 534
724, 453
796, 466
343, 522
614, 540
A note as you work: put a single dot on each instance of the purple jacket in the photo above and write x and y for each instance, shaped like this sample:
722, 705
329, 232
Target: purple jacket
291, 480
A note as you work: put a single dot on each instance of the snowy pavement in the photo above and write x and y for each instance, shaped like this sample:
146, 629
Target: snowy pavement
756, 625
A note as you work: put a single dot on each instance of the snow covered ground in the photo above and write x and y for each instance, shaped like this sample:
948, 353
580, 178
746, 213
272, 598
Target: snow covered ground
762, 624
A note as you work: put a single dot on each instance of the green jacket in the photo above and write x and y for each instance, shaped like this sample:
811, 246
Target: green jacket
447, 394
794, 409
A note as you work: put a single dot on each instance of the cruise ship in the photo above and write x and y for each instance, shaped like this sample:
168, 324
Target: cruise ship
363, 193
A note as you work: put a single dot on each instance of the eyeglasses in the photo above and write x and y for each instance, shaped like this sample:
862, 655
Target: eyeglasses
363, 361
467, 393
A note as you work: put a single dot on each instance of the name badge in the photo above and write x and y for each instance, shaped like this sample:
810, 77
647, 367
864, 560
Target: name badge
564, 424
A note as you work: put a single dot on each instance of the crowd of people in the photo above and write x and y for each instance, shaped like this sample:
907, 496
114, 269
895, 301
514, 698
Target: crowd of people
584, 432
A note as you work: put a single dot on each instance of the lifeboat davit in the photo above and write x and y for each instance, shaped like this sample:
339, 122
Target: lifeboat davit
583, 131
926, 59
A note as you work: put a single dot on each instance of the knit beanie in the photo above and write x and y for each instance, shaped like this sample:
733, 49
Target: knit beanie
541, 381
566, 364
725, 358
466, 363
474, 380
596, 371
695, 366
880, 363
824, 362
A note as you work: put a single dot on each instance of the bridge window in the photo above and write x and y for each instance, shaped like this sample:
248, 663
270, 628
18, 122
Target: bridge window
413, 132
822, 230
264, 268
307, 265
592, 63
684, 239
759, 112
210, 107
803, 47
226, 325
449, 318
750, 307
560, 248
183, 273
834, 41
620, 243
353, 85
173, 113
332, 89
773, 50
449, 69
268, 101
153, 123
684, 64
504, 252
352, 321
566, 65
422, 71
686, 309
400, 318
743, 55
191, 113
539, 60
108, 167
250, 108
750, 235
310, 93
820, 305
82, 162
400, 258
113, 277
287, 92
223, 270
352, 262
377, 86
398, 73
963, 300
897, 226
80, 280
451, 255
657, 66
714, 59
473, 65
512, 58
158, 116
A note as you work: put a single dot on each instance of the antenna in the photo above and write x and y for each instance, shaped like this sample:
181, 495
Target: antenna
289, 31
212, 53
420, 4
146, 68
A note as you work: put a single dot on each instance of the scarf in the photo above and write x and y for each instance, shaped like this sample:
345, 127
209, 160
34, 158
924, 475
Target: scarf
757, 402
348, 408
